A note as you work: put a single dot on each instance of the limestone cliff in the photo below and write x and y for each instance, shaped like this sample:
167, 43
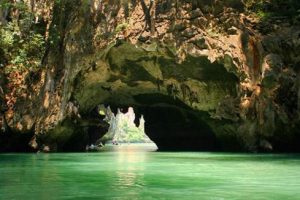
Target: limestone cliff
206, 75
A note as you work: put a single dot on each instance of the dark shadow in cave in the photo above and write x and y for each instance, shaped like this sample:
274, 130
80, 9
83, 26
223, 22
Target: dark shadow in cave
172, 125
16, 142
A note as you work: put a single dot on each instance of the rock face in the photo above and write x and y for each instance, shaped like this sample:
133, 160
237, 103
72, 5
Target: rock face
203, 74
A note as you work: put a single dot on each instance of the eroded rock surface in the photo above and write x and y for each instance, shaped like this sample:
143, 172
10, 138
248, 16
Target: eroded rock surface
206, 75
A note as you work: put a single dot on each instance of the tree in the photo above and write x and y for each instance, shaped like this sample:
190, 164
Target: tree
149, 13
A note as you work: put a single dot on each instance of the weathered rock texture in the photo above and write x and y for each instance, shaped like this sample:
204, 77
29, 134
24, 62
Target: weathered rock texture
205, 75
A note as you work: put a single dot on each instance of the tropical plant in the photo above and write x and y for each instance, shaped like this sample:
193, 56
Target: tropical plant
21, 43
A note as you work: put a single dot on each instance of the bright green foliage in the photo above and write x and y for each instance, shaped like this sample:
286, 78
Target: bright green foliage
23, 46
131, 133
5, 4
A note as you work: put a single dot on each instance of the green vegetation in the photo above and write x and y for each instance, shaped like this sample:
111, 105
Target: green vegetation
266, 9
121, 27
128, 132
21, 51
21, 40
122, 127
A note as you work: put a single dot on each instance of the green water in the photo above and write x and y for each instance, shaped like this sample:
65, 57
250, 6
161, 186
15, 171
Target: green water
134, 172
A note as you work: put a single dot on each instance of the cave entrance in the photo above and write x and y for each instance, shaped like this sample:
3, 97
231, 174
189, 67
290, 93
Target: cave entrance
125, 128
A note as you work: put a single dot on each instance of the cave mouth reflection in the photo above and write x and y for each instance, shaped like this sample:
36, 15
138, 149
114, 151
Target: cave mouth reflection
126, 131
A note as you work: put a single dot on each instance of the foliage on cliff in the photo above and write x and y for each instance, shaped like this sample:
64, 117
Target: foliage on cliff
266, 9
22, 39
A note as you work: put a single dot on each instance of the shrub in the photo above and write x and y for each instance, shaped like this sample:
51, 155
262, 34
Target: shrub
273, 8
23, 47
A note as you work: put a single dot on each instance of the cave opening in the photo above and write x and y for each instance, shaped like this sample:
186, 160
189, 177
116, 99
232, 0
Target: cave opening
178, 100
125, 129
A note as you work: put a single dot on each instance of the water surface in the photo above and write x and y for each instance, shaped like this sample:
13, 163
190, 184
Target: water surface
135, 172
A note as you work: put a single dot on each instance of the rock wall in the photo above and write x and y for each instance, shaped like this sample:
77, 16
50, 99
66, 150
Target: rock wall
207, 75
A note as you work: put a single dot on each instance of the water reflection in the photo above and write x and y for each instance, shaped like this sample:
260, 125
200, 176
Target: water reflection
134, 172
125, 168
130, 168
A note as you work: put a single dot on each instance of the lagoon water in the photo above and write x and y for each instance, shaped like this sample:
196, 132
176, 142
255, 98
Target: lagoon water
138, 172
